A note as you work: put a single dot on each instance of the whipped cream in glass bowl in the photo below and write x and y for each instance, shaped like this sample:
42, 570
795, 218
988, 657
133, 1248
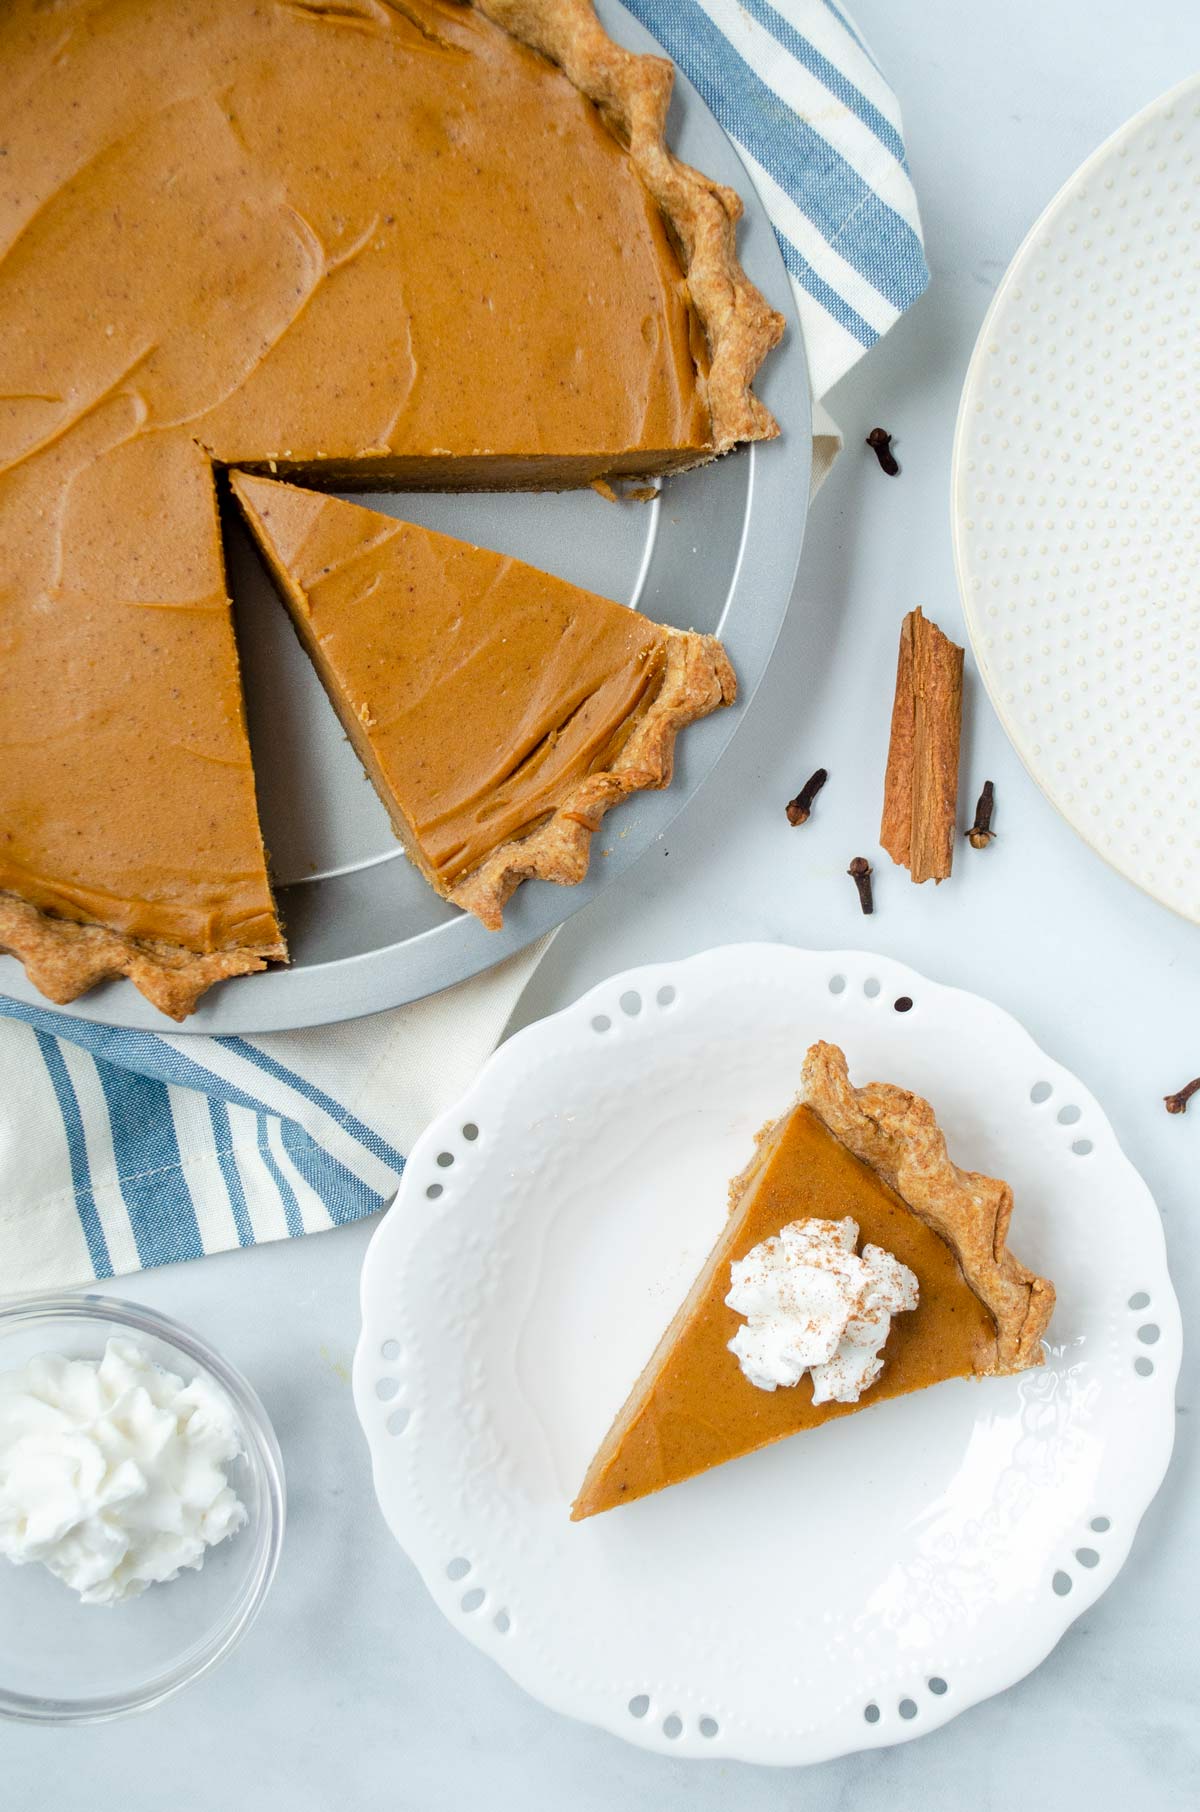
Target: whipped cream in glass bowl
151, 1506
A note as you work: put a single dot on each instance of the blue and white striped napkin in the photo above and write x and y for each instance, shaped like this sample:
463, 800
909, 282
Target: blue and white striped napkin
121, 1150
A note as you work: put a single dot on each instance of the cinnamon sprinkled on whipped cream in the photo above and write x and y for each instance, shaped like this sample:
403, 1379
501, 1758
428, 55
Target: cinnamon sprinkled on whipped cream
812, 1304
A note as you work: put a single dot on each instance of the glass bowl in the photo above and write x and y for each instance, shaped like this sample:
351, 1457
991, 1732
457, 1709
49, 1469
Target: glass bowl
64, 1662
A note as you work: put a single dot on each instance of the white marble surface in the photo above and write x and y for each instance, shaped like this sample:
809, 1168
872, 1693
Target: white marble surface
351, 1690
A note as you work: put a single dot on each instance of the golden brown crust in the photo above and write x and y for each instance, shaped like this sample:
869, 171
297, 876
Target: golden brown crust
697, 678
897, 1134
633, 93
63, 959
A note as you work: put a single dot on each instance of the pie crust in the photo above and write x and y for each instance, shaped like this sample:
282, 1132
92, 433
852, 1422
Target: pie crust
897, 1135
63, 959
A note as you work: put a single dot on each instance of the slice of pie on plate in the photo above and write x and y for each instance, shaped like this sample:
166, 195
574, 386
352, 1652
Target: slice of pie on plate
425, 243
812, 1339
499, 711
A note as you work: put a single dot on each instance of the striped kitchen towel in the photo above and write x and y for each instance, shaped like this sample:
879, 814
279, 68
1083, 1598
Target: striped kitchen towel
819, 130
120, 1150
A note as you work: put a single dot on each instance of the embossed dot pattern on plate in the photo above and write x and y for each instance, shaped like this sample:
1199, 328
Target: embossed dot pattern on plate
1076, 499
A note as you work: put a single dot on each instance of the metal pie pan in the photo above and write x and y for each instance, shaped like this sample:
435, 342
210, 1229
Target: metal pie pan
716, 552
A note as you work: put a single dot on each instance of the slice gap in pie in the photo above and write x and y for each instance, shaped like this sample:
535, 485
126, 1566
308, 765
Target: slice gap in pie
434, 244
876, 1156
500, 711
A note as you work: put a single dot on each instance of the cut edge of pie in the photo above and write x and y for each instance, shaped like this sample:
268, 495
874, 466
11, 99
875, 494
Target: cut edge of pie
895, 1134
696, 679
633, 94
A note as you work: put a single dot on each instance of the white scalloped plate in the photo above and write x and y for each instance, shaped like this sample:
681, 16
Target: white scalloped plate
1076, 500
832, 1593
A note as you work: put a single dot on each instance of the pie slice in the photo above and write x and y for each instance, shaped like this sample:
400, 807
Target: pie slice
499, 711
370, 243
874, 1154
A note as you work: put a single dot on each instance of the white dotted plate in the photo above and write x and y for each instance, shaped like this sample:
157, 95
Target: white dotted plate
1076, 500
839, 1591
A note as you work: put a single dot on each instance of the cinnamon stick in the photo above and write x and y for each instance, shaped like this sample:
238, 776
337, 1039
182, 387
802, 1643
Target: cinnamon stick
920, 789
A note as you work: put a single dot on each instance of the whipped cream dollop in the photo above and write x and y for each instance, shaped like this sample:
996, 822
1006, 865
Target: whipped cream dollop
812, 1304
113, 1471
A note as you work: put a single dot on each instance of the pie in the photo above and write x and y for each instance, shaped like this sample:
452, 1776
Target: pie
377, 243
874, 1154
572, 701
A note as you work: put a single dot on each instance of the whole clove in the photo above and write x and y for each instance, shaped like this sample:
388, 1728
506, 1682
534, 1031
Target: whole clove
981, 832
1177, 1103
800, 808
880, 443
860, 873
